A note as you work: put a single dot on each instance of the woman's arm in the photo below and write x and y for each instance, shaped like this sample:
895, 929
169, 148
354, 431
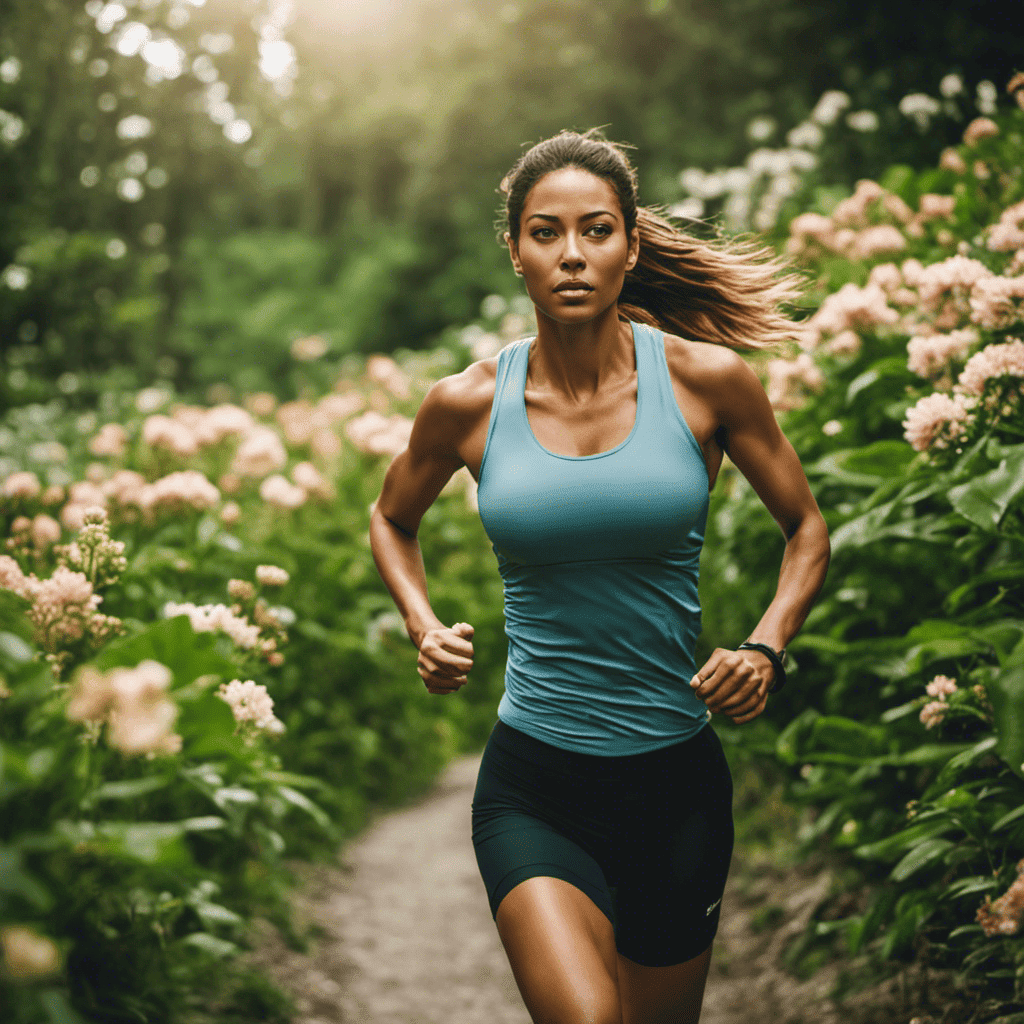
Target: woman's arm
412, 483
737, 682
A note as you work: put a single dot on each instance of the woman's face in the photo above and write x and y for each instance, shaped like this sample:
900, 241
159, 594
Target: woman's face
572, 249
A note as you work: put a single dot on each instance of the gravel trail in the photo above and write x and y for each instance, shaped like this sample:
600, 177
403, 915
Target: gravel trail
407, 935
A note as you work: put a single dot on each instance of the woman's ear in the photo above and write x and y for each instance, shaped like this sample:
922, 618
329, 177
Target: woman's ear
634, 249
513, 250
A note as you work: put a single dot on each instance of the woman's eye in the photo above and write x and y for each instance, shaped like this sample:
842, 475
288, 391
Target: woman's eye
601, 230
543, 233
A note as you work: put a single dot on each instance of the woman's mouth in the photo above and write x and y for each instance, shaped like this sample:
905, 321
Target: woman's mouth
573, 289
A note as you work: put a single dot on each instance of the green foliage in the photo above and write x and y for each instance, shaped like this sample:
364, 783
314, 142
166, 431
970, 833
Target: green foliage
920, 796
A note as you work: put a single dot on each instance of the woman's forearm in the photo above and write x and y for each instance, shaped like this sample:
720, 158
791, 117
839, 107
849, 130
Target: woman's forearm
400, 564
804, 565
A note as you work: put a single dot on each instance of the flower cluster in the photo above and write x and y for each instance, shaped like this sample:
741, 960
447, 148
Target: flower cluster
93, 552
935, 710
133, 703
1004, 915
27, 955
252, 707
214, 618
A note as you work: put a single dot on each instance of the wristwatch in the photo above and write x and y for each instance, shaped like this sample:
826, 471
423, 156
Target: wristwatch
777, 658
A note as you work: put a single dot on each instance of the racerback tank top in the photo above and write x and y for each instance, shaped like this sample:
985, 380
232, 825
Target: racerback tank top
599, 555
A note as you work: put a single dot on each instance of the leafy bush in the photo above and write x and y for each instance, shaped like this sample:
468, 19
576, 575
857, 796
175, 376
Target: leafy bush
201, 679
902, 730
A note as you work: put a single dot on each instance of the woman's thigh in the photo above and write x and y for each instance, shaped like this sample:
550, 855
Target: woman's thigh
663, 995
561, 949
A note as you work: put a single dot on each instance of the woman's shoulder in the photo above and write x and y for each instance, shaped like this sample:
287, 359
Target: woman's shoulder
462, 397
701, 364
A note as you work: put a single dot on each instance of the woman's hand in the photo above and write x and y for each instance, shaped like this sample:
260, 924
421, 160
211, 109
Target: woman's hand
734, 683
446, 656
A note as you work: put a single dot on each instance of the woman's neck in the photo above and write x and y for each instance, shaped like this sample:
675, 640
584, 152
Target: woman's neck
580, 359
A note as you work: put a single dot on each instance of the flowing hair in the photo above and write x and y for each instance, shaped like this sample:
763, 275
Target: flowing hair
722, 291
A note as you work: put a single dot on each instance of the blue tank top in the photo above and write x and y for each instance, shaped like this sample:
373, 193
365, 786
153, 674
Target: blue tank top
599, 555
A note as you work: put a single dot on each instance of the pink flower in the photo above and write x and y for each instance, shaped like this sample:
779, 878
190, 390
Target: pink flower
980, 128
928, 423
853, 307
336, 408
887, 276
22, 485
933, 206
1008, 233
991, 362
125, 488
91, 696
271, 576
995, 301
853, 210
223, 421
385, 371
163, 432
877, 239
212, 618
941, 687
783, 374
13, 579
141, 717
27, 955
951, 160
931, 354
845, 343
933, 712
309, 348
260, 453
952, 274
276, 490
230, 513
263, 403
308, 477
379, 435
297, 422
325, 443
812, 225
249, 702
187, 488
111, 440
45, 531
1004, 915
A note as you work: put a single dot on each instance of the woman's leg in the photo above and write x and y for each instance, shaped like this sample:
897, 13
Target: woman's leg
663, 995
561, 948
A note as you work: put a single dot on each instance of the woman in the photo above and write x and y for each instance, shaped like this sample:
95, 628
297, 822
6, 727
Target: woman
602, 817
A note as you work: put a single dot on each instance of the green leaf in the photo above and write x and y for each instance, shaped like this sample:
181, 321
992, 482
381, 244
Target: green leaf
219, 948
985, 499
16, 881
131, 788
882, 459
58, 1010
1006, 692
892, 366
920, 856
1008, 819
173, 643
846, 736
892, 846
966, 886
293, 796
14, 648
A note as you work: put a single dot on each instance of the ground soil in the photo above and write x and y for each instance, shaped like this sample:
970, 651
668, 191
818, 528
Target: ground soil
406, 936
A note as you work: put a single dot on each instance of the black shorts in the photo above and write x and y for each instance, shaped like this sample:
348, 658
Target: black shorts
648, 837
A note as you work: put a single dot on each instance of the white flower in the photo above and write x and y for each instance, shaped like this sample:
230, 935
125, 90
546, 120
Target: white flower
271, 576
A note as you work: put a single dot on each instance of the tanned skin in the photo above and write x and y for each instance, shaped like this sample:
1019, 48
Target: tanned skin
580, 396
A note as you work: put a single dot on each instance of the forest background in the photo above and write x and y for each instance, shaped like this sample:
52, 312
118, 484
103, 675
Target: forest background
219, 222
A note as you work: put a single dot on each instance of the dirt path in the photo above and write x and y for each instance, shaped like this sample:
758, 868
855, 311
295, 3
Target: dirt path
408, 936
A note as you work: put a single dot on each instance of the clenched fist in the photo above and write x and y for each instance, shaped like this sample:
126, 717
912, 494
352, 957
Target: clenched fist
446, 657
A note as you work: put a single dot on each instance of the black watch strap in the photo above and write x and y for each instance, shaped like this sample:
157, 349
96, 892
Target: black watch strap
774, 656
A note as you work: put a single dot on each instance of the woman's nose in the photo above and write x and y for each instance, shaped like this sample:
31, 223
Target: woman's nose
572, 255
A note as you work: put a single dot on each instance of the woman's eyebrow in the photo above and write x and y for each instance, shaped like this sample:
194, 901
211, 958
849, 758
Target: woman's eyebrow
586, 216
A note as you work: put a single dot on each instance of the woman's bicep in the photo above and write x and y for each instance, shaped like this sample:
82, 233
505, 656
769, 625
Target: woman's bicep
763, 454
417, 475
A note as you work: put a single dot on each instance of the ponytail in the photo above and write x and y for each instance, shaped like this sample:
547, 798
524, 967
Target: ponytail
724, 292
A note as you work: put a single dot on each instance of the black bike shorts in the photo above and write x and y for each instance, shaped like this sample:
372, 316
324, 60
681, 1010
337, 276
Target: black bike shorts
648, 837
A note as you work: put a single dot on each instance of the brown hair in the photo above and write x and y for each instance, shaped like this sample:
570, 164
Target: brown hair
724, 292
